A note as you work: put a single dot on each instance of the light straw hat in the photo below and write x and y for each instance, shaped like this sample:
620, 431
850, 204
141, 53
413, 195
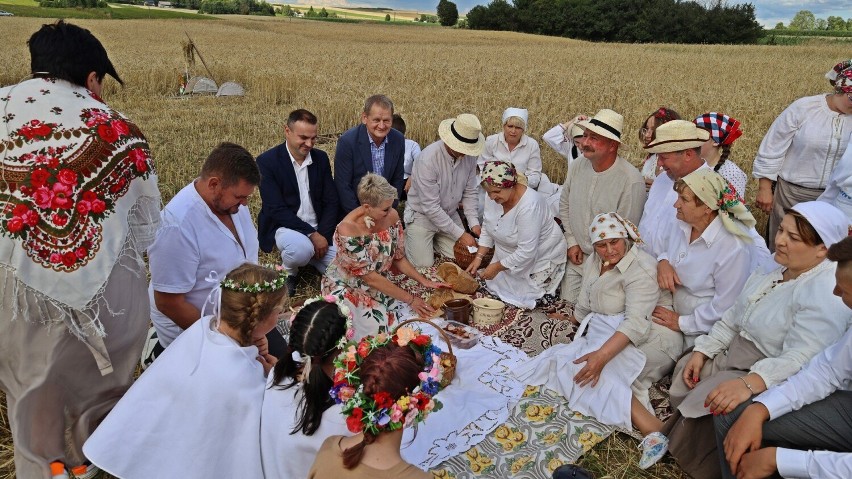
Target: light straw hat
463, 134
606, 123
677, 135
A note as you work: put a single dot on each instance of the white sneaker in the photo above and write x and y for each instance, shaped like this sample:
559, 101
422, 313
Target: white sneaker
654, 446
151, 342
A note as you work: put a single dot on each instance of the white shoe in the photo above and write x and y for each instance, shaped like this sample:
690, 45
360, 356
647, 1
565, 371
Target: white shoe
86, 471
654, 446
151, 342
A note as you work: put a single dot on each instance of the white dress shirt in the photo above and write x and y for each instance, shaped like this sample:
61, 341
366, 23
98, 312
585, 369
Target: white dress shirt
712, 270
526, 156
839, 189
827, 372
789, 322
804, 143
306, 211
412, 149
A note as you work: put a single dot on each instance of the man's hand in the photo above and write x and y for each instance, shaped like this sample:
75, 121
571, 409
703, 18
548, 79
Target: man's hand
591, 372
667, 277
745, 435
575, 255
758, 464
407, 185
476, 230
467, 240
320, 244
666, 317
727, 396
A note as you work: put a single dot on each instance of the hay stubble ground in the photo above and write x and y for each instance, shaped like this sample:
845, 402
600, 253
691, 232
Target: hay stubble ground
431, 74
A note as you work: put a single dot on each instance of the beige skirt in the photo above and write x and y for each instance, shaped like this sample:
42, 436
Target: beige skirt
692, 440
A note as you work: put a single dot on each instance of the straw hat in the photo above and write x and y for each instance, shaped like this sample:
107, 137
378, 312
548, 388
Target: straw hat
606, 123
463, 134
677, 135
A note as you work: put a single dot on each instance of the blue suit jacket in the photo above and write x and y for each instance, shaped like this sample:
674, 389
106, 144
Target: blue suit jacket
279, 193
353, 160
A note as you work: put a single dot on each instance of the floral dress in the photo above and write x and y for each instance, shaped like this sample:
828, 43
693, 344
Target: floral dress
357, 256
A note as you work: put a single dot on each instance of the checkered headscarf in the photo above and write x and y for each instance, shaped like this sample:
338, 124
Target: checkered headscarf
723, 129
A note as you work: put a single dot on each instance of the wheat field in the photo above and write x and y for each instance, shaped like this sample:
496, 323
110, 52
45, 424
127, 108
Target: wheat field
431, 74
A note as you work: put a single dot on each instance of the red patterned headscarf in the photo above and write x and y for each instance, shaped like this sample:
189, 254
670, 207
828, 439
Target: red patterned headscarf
840, 77
723, 129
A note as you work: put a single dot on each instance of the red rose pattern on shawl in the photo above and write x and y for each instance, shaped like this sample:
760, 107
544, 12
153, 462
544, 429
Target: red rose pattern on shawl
58, 196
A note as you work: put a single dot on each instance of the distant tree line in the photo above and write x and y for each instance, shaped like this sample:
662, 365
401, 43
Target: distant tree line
73, 3
243, 7
806, 20
642, 21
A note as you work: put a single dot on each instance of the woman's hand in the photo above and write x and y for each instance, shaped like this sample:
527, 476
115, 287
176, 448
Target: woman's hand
727, 396
474, 265
667, 277
692, 371
268, 361
666, 317
420, 307
262, 346
491, 271
591, 372
435, 284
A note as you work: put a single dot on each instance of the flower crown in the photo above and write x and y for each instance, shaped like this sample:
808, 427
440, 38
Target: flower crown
264, 287
344, 310
380, 411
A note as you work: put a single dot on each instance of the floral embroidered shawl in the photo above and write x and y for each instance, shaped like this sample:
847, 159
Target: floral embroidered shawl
73, 170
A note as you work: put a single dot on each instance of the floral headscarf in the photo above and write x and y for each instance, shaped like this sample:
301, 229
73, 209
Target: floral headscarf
840, 77
612, 225
718, 194
501, 174
723, 129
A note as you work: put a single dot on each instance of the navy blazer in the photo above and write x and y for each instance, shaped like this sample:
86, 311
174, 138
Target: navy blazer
353, 160
279, 193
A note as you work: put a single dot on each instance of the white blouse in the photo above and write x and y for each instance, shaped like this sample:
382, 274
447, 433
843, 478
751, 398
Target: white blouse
526, 156
839, 189
789, 322
712, 270
290, 455
804, 143
558, 139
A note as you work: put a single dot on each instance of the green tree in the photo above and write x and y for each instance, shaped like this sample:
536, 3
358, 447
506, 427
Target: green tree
323, 13
448, 13
836, 23
803, 20
387, 17
821, 24
779, 26
287, 11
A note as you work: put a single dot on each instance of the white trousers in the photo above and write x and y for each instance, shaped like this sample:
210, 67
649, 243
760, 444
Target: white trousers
297, 250
422, 240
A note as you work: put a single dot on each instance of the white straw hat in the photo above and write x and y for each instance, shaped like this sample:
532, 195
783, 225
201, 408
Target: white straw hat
606, 123
677, 135
463, 134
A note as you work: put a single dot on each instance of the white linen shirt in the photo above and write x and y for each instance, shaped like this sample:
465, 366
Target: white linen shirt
306, 210
803, 144
712, 270
412, 150
559, 139
789, 322
526, 156
839, 189
190, 244
827, 372
526, 240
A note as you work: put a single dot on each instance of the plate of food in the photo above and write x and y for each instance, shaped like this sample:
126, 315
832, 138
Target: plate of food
461, 336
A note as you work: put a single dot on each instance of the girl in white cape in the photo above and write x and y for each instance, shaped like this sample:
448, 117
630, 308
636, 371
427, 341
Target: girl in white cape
196, 411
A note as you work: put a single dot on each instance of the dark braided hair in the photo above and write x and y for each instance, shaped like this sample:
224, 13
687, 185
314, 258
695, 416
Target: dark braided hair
726, 152
243, 311
393, 369
315, 331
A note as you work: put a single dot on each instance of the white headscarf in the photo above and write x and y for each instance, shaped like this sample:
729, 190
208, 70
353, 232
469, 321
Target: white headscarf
521, 113
830, 223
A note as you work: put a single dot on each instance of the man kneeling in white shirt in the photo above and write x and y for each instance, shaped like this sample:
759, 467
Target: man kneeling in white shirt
809, 416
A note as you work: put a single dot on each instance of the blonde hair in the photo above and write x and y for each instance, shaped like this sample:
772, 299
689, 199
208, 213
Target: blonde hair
243, 311
516, 121
374, 189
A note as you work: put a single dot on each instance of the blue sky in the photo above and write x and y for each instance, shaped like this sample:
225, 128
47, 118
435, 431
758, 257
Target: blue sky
769, 12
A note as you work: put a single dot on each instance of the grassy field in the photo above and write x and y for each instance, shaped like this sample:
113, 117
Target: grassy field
31, 8
431, 74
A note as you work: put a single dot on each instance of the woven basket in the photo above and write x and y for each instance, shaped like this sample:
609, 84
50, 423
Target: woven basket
447, 358
464, 257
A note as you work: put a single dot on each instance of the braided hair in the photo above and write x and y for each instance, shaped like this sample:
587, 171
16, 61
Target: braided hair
393, 369
314, 332
243, 311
